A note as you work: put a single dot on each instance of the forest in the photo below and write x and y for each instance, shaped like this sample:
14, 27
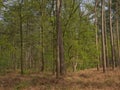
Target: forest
59, 45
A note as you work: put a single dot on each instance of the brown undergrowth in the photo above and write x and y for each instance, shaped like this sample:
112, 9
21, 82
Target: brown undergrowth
88, 79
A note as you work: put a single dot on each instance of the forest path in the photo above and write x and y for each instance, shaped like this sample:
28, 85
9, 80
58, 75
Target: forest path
88, 79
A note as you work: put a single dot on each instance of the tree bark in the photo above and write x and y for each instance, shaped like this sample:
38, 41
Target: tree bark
42, 38
42, 53
103, 38
96, 29
60, 49
106, 44
117, 32
111, 36
21, 34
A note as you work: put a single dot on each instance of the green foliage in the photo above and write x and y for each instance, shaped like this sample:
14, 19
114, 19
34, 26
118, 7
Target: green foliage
78, 35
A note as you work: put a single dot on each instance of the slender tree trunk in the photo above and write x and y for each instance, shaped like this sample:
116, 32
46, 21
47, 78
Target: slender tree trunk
111, 36
60, 49
117, 32
115, 47
106, 45
74, 65
58, 30
53, 37
42, 37
13, 57
96, 29
103, 38
42, 53
21, 35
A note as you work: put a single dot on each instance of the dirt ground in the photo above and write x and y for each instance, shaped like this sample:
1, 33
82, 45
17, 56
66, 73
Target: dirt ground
88, 79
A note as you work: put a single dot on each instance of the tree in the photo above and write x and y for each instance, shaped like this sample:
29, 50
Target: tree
60, 49
103, 37
96, 29
21, 33
111, 36
117, 30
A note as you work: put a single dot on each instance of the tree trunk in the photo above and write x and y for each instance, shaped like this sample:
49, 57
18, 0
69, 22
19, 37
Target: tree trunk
74, 64
21, 35
117, 32
53, 37
60, 49
42, 53
42, 37
106, 45
111, 36
96, 29
103, 38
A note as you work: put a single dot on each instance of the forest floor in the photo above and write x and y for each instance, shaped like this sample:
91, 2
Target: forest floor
88, 79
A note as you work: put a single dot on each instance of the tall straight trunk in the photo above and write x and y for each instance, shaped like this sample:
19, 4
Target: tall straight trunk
26, 53
58, 30
111, 36
117, 32
103, 38
96, 29
14, 58
106, 44
54, 52
60, 49
115, 47
21, 35
42, 53
53, 37
42, 36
